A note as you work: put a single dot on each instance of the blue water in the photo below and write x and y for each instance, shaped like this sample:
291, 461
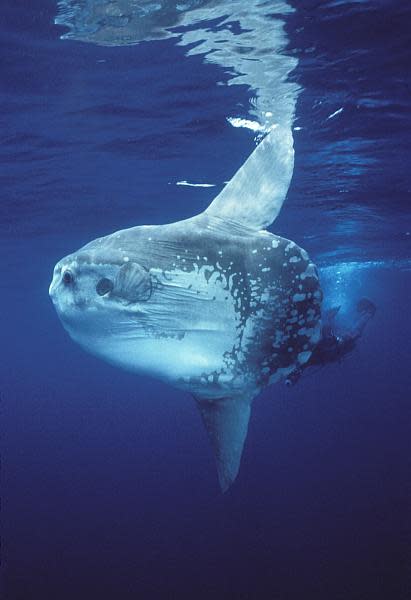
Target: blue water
109, 487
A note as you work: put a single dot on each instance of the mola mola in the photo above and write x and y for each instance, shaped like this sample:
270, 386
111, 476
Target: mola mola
214, 305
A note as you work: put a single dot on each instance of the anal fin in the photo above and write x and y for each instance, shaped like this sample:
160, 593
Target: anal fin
226, 421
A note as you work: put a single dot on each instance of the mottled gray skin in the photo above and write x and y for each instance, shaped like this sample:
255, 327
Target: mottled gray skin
267, 281
214, 305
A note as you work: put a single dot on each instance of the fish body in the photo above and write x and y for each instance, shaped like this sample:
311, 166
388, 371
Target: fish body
214, 305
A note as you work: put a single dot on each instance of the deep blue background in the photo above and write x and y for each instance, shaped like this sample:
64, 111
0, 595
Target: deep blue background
109, 488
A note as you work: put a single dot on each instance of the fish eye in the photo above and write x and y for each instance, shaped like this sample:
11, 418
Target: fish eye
68, 277
104, 286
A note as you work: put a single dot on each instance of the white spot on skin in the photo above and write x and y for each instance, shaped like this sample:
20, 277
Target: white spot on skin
254, 251
275, 243
299, 297
307, 332
281, 373
303, 357
295, 259
266, 269
126, 258
309, 272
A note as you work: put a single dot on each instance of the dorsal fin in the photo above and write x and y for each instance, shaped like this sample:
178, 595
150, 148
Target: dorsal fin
255, 194
226, 422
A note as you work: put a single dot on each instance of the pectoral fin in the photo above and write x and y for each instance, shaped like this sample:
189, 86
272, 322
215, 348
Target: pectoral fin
226, 421
133, 283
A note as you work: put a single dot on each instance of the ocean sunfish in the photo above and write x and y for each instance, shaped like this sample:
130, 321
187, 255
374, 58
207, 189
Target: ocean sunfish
214, 305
